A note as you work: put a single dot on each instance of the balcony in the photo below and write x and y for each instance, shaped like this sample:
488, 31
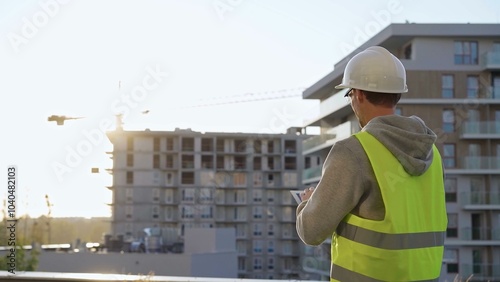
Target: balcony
480, 200
480, 130
312, 174
481, 272
490, 60
327, 139
468, 236
316, 141
334, 106
476, 165
316, 265
482, 163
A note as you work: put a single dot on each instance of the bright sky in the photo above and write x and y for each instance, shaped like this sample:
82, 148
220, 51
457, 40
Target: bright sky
185, 61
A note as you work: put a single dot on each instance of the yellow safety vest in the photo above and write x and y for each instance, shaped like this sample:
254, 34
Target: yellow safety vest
407, 245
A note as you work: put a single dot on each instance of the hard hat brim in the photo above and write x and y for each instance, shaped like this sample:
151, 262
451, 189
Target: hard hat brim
342, 86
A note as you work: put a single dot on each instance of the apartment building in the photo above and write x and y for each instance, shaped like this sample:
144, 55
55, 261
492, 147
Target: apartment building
183, 178
453, 76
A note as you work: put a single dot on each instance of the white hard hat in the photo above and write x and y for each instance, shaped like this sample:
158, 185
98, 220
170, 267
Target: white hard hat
375, 69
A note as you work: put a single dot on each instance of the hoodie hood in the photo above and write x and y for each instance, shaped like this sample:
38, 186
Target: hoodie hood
407, 138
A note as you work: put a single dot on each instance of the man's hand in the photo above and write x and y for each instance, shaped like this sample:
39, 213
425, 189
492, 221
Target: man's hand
306, 194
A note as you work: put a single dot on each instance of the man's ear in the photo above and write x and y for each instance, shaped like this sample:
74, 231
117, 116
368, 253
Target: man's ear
361, 96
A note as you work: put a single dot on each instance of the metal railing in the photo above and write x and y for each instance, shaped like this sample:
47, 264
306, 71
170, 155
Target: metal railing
480, 127
480, 198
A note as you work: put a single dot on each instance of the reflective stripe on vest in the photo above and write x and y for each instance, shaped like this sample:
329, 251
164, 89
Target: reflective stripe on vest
407, 245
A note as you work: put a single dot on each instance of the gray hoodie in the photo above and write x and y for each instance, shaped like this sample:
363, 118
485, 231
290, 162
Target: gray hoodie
348, 183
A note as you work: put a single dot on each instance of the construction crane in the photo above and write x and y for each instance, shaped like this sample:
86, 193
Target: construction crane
61, 119
49, 217
251, 97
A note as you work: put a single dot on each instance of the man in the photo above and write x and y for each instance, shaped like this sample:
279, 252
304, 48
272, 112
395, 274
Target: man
381, 193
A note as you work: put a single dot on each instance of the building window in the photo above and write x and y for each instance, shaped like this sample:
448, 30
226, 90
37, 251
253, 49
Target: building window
257, 246
219, 145
472, 86
240, 179
130, 160
448, 121
156, 195
155, 210
156, 161
187, 177
270, 196
129, 227
207, 162
270, 180
270, 230
156, 144
207, 212
169, 196
287, 248
452, 230
169, 179
130, 177
270, 263
257, 195
290, 163
270, 146
407, 52
187, 212
270, 212
207, 145
257, 179
240, 162
206, 195
450, 187
187, 144
257, 263
169, 161
257, 212
129, 212
449, 156
187, 161
240, 196
129, 195
169, 144
257, 146
451, 258
466, 53
130, 144
219, 162
270, 163
169, 213
270, 247
241, 230
447, 86
290, 146
188, 195
257, 229
257, 163
240, 146
242, 264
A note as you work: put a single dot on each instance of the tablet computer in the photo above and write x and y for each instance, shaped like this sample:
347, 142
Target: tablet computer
296, 195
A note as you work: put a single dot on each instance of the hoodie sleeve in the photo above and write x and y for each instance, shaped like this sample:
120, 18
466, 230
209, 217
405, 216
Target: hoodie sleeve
337, 194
